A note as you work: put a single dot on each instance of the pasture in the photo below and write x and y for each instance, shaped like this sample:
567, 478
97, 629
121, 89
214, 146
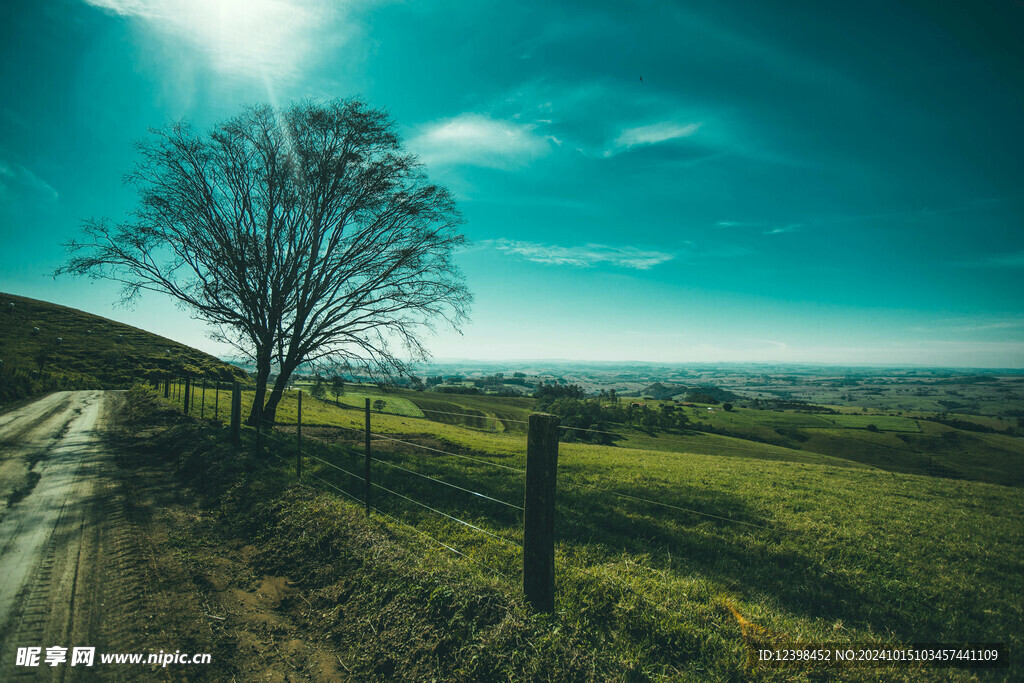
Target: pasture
664, 539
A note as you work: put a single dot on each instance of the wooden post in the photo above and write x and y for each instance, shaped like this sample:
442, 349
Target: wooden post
188, 386
366, 468
539, 512
298, 454
202, 401
236, 414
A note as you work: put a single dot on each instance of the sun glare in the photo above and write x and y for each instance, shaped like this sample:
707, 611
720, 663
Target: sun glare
239, 37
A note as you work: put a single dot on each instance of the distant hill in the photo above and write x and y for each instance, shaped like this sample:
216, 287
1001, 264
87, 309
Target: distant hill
662, 391
44, 346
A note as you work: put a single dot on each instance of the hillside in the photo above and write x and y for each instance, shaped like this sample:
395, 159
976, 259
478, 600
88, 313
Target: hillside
669, 564
45, 347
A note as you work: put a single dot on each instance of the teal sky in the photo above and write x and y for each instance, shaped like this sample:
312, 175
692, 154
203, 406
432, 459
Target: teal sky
674, 182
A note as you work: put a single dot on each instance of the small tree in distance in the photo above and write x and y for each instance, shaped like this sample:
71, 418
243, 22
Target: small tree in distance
337, 387
379, 405
303, 234
318, 391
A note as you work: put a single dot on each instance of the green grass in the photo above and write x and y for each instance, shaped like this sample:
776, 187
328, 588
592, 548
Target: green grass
355, 397
804, 550
885, 423
93, 352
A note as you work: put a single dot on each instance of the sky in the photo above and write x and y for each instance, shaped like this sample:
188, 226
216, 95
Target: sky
706, 181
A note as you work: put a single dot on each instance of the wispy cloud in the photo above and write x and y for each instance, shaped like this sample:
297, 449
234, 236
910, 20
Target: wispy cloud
1015, 260
769, 229
970, 325
16, 179
1011, 260
772, 343
783, 229
584, 256
653, 134
271, 39
479, 140
738, 224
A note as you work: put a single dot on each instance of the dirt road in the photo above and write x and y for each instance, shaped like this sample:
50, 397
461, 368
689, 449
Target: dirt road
101, 546
63, 536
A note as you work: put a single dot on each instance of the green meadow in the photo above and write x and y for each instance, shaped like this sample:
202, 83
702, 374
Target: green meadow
678, 550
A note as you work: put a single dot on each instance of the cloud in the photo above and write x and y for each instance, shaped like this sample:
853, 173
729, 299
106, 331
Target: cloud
652, 134
260, 38
15, 178
585, 256
1015, 260
655, 133
768, 228
783, 229
1010, 260
969, 325
479, 140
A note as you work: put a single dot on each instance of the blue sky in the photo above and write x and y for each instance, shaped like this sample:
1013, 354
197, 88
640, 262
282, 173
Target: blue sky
701, 181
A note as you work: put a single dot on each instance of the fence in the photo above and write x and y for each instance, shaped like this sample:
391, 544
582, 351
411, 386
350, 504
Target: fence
366, 478
537, 545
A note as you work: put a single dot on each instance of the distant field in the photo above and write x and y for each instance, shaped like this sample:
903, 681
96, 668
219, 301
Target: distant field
802, 545
797, 540
885, 423
495, 413
496, 425
355, 397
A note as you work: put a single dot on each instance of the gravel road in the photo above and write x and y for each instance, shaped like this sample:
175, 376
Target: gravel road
65, 545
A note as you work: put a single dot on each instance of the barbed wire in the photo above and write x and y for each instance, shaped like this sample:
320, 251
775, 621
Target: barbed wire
445, 483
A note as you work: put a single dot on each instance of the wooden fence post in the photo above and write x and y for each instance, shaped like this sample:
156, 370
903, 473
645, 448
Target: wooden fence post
298, 454
539, 512
236, 414
366, 469
188, 386
216, 401
167, 387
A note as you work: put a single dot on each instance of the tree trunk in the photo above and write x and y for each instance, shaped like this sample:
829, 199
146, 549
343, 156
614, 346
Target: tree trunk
256, 415
276, 394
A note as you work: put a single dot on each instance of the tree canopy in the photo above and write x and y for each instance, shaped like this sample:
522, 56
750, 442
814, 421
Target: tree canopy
304, 235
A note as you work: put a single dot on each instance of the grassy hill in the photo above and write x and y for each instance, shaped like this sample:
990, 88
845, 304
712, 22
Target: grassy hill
45, 347
671, 562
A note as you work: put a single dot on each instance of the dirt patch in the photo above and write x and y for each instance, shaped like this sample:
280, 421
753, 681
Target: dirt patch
208, 592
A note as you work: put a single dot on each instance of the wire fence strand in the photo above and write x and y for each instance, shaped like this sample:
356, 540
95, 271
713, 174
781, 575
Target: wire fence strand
473, 417
336, 488
445, 483
445, 514
438, 450
340, 469
442, 544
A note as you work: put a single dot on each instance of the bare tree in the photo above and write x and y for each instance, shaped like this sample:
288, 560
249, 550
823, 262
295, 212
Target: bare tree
303, 235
